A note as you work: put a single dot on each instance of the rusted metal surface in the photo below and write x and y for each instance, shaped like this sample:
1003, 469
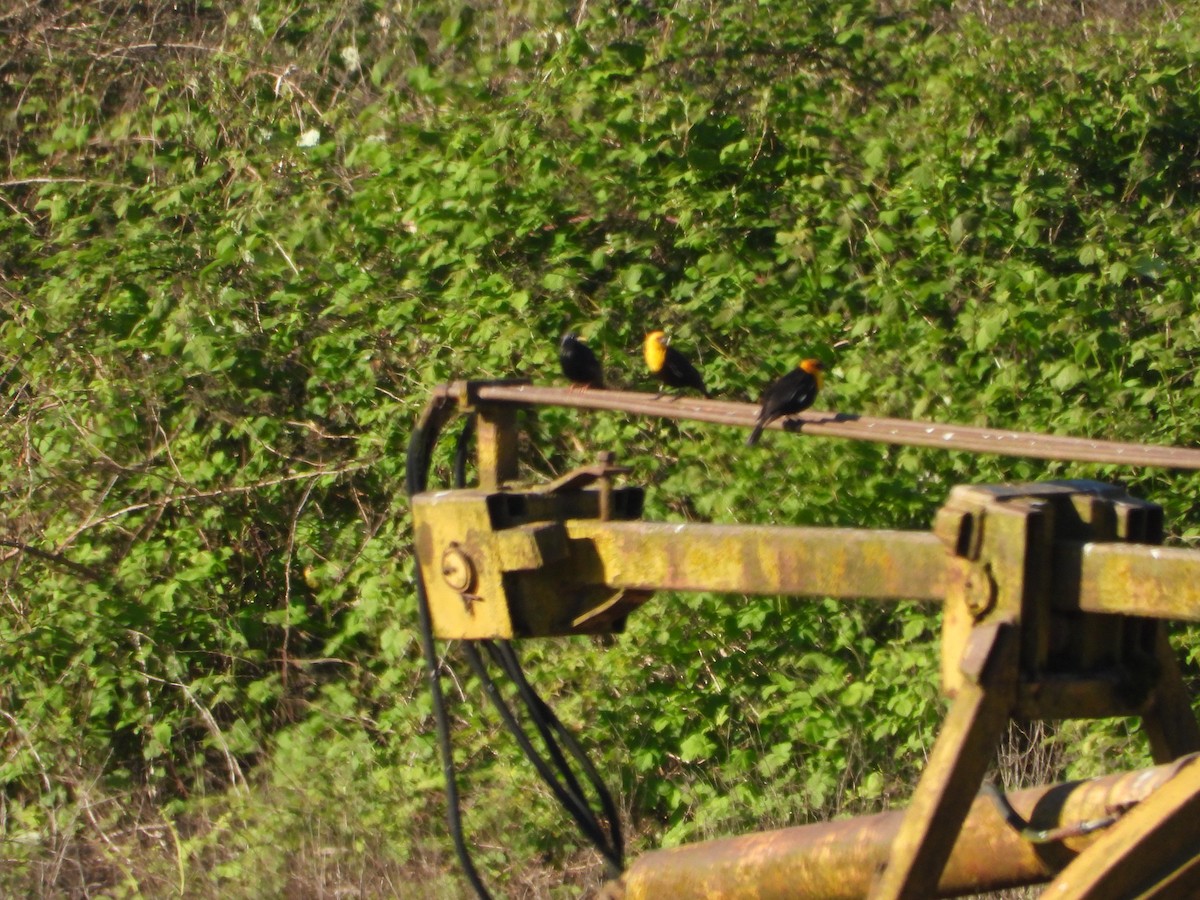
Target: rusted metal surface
500, 565
1004, 531
760, 559
1051, 610
1150, 852
461, 573
1131, 579
998, 441
508, 564
1168, 720
496, 446
1074, 664
1004, 541
957, 763
837, 860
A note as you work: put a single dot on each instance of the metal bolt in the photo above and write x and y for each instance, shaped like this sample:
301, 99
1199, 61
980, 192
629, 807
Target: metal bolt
979, 591
607, 457
457, 569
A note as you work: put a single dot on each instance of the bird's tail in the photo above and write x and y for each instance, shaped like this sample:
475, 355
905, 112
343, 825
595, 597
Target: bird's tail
755, 434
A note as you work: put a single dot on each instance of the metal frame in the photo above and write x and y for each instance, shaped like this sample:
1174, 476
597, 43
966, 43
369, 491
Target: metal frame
1054, 597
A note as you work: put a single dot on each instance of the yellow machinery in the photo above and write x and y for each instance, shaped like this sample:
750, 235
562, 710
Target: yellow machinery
1055, 598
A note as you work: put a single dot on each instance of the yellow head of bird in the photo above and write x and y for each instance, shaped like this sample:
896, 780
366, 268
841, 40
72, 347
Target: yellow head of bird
654, 348
816, 369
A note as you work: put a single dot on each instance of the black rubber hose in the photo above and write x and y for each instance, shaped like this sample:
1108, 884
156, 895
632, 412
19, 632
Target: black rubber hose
420, 453
542, 712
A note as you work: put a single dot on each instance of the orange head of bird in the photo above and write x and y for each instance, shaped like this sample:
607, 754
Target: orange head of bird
814, 368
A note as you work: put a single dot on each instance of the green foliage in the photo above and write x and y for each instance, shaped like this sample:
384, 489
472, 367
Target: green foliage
243, 241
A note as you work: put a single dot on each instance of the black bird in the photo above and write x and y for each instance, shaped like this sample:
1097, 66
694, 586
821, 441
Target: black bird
789, 394
670, 366
579, 363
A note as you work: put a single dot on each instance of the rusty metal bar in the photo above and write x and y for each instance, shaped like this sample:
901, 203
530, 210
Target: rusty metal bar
759, 559
999, 441
984, 690
1130, 579
1151, 852
1169, 722
838, 860
957, 764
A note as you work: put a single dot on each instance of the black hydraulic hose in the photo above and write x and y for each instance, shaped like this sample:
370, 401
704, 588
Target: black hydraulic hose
1034, 835
496, 649
542, 711
461, 451
564, 785
568, 791
576, 803
420, 453
573, 804
558, 776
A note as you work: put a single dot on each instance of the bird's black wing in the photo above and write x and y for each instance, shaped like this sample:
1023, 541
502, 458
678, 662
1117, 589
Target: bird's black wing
679, 372
792, 393
579, 363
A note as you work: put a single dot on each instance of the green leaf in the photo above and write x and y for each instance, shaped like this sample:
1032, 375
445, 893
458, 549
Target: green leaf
695, 747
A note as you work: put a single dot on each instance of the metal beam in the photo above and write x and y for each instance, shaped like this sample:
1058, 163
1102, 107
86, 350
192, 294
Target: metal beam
837, 860
758, 559
957, 763
1151, 852
999, 441
1128, 579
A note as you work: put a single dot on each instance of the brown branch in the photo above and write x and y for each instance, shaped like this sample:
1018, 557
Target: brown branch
287, 580
19, 547
236, 779
157, 45
209, 495
18, 182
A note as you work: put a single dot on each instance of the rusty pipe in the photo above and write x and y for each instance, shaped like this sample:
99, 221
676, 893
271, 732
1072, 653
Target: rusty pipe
971, 438
839, 860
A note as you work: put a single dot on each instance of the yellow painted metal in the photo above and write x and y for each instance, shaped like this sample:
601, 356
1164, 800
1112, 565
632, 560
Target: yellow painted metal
1051, 606
1005, 540
994, 581
956, 766
1150, 852
837, 860
500, 564
1137, 579
1168, 720
760, 559
508, 564
496, 446
459, 566
1074, 664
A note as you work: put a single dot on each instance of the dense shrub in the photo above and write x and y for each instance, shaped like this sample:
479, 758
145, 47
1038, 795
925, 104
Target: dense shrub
243, 241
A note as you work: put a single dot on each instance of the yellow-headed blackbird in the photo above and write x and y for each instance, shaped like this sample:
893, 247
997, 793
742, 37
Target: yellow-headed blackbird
579, 363
670, 366
789, 394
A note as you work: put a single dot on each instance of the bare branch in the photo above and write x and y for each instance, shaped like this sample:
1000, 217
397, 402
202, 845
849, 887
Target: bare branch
155, 45
19, 547
209, 495
236, 779
18, 182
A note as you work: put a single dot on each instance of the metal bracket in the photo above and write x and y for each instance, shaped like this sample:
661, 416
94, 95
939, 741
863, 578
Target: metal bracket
1013, 647
502, 564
